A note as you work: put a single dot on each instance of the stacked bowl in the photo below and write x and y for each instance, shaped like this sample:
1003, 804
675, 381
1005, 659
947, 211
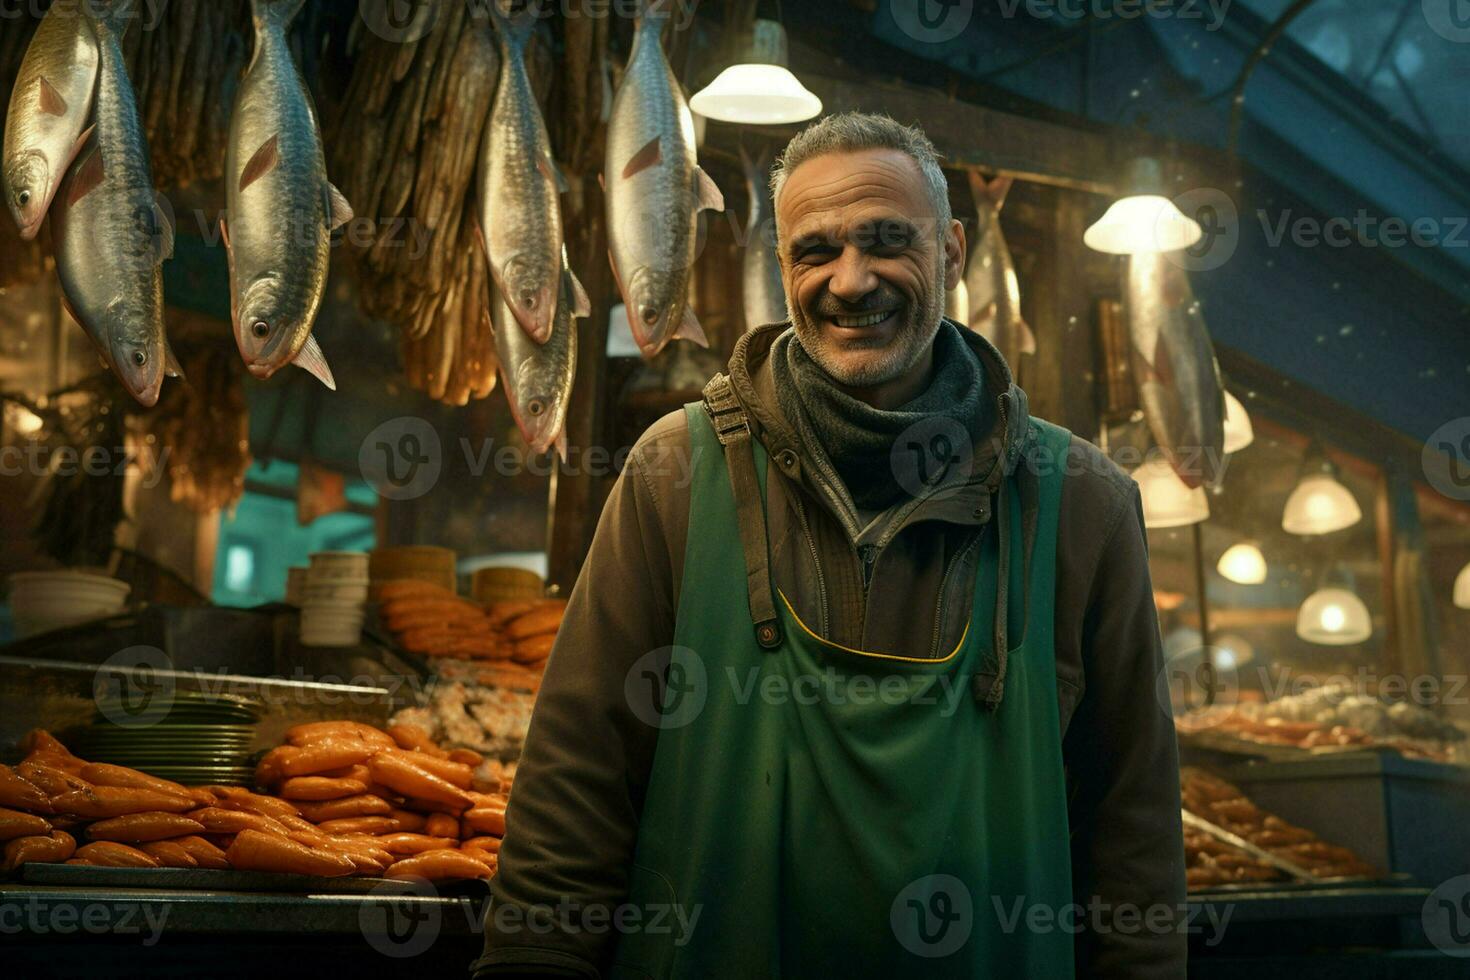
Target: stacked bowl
334, 600
42, 601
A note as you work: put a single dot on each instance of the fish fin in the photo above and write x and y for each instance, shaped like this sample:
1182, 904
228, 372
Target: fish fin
171, 366
651, 154
689, 328
709, 196
262, 162
617, 278
278, 12
561, 443
80, 144
515, 30
86, 178
997, 188
110, 16
165, 233
655, 12
1028, 338
548, 169
581, 303
339, 212
984, 321
51, 101
311, 359
602, 182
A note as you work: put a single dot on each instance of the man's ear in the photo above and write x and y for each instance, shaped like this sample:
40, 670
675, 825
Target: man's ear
954, 254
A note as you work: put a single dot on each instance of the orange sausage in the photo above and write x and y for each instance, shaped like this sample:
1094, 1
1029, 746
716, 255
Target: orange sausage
267, 806
439, 865
49, 779
359, 825
411, 737
399, 773
205, 853
491, 844
489, 859
361, 805
454, 773
409, 821
20, 793
441, 825
486, 820
101, 802
466, 757
102, 774
332, 753
136, 828
533, 649
217, 820
14, 823
53, 848
546, 619
324, 731
110, 854
169, 854
41, 742
405, 844
404, 588
256, 851
318, 788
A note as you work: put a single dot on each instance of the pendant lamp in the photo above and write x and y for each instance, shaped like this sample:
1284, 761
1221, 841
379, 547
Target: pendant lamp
1319, 504
758, 89
1334, 615
1167, 502
1143, 220
1243, 564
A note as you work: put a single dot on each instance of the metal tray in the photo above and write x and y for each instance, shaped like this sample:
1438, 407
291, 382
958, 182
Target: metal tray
203, 879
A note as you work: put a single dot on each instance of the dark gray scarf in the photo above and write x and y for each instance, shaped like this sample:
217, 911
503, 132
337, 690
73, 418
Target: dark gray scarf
857, 439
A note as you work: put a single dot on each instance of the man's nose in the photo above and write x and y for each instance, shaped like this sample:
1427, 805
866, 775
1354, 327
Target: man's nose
852, 277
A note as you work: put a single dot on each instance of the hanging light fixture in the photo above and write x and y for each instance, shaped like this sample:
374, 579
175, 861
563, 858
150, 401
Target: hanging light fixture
1462, 587
1243, 564
1232, 651
1319, 504
1239, 432
1143, 220
758, 89
1334, 615
1167, 502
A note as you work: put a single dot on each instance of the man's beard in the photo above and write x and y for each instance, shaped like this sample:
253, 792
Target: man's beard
903, 351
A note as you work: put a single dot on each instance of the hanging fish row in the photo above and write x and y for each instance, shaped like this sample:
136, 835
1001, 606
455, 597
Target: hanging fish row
75, 149
654, 189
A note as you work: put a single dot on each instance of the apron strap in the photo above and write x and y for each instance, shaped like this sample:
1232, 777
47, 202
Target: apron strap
732, 428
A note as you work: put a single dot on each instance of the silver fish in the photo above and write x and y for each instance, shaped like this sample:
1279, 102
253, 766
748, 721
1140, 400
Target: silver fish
655, 191
49, 109
994, 294
111, 235
1174, 368
538, 377
761, 286
519, 184
957, 303
280, 207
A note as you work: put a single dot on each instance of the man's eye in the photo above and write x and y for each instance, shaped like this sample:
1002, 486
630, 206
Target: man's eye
815, 253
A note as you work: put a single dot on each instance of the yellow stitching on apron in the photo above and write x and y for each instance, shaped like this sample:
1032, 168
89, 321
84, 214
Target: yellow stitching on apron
865, 653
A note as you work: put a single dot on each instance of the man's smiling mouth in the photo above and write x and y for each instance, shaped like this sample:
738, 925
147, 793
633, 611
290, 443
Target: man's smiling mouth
862, 320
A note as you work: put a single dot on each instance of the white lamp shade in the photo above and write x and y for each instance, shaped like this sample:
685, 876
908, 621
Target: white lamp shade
1167, 502
1231, 651
1243, 564
1239, 432
1333, 617
1462, 588
1140, 224
1320, 505
757, 94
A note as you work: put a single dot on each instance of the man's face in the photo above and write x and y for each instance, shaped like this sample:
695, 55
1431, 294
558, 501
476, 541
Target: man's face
865, 264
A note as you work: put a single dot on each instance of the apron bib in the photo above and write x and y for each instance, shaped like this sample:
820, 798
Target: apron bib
815, 809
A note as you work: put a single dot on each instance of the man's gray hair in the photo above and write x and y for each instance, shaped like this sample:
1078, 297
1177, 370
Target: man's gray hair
851, 132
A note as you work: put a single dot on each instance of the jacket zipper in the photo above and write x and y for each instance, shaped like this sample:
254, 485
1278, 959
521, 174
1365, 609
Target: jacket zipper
868, 554
811, 544
944, 591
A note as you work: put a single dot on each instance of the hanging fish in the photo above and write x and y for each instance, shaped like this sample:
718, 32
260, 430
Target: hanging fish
111, 235
280, 207
957, 303
994, 294
655, 191
538, 377
518, 185
761, 286
49, 109
1174, 367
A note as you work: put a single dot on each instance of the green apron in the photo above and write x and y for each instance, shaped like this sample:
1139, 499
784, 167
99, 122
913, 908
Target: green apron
823, 810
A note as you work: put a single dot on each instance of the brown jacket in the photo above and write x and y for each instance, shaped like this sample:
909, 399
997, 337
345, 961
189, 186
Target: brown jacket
573, 816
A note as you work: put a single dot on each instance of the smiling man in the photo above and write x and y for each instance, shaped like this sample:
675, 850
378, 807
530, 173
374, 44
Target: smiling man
858, 678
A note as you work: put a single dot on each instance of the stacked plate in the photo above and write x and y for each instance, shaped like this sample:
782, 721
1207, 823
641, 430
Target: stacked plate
191, 737
42, 601
334, 600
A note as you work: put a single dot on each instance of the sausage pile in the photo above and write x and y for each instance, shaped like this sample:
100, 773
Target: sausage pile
1210, 862
343, 798
431, 620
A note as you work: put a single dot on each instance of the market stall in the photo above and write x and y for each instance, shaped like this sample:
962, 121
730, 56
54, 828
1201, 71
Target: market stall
285, 565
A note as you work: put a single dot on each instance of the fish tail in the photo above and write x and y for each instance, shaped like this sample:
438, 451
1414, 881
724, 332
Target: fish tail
110, 17
654, 14
515, 29
278, 13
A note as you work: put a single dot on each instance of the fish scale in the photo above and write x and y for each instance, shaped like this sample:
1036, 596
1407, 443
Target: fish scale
280, 207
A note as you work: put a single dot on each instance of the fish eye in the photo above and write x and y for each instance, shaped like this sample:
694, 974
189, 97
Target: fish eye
649, 314
261, 329
24, 197
535, 406
140, 358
